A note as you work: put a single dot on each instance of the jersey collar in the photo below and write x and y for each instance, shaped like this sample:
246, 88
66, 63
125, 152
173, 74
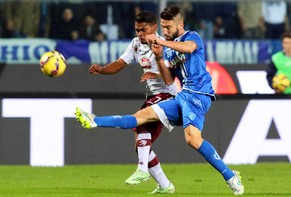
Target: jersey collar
180, 37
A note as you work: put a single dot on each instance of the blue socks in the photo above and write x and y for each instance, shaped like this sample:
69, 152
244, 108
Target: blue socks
124, 122
206, 149
210, 154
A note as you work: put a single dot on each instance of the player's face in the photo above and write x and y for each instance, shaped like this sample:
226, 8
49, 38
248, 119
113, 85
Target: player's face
287, 46
144, 29
170, 29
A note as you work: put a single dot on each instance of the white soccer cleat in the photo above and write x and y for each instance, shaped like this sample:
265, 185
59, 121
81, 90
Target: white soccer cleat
235, 183
86, 119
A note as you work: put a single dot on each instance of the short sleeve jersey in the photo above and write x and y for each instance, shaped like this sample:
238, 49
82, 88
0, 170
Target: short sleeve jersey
142, 54
190, 68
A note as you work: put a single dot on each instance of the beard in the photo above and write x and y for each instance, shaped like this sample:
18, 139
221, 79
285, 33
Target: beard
173, 36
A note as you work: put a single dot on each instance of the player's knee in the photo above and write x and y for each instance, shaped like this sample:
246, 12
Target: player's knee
145, 115
188, 140
191, 141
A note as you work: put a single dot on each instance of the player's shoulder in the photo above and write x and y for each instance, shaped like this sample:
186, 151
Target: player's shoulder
188, 35
278, 55
135, 43
192, 34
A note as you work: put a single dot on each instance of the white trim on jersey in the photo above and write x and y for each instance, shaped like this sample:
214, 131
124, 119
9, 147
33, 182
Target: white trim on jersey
162, 116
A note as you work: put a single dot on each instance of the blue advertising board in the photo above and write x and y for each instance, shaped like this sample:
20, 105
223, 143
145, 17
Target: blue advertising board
24, 51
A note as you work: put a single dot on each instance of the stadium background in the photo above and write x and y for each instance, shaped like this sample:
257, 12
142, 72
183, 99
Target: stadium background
38, 128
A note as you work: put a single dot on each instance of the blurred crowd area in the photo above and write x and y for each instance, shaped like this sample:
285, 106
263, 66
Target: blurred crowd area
102, 20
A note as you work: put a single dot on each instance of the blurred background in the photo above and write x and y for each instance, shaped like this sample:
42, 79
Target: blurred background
37, 124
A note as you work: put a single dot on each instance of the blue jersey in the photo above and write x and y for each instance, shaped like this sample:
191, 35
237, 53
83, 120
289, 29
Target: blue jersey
190, 68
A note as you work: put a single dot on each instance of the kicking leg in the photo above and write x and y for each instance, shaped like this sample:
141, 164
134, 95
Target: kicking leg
89, 121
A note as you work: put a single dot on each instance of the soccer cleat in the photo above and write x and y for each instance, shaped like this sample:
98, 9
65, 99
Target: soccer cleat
167, 190
86, 119
137, 177
235, 184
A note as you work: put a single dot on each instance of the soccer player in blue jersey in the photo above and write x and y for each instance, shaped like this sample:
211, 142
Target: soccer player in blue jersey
183, 55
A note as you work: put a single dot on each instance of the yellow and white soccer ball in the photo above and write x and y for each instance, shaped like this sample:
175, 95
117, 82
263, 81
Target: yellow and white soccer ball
53, 64
280, 82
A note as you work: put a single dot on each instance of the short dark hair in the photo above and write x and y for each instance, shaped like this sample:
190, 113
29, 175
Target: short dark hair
286, 35
146, 17
170, 13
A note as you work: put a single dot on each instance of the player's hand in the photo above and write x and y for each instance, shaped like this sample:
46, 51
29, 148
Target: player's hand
153, 39
147, 75
157, 50
95, 69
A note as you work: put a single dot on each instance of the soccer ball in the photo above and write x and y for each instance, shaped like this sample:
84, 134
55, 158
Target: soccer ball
52, 64
280, 82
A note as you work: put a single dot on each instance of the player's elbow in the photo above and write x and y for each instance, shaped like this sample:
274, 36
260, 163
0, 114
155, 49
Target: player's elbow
190, 47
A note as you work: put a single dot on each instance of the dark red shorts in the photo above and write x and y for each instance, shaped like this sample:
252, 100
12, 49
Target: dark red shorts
155, 128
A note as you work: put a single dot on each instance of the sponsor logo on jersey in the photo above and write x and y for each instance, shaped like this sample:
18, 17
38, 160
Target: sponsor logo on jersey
145, 62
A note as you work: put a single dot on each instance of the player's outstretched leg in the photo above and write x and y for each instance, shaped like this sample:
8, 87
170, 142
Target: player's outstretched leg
89, 121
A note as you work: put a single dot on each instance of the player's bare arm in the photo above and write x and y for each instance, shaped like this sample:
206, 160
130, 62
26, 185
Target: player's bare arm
110, 68
165, 72
183, 47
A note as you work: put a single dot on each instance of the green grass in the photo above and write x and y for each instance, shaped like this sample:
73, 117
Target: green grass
263, 179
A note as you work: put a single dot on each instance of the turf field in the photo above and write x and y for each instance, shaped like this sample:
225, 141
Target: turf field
264, 179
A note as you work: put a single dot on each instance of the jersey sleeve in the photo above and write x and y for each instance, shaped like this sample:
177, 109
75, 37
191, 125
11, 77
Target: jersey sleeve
193, 36
128, 55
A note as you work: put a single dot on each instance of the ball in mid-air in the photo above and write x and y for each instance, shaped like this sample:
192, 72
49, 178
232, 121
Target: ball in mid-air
53, 64
280, 82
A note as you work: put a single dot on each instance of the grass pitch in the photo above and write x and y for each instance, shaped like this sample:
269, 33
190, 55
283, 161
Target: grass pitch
262, 179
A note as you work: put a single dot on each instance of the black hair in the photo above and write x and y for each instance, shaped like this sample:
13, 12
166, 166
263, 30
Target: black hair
146, 17
170, 13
